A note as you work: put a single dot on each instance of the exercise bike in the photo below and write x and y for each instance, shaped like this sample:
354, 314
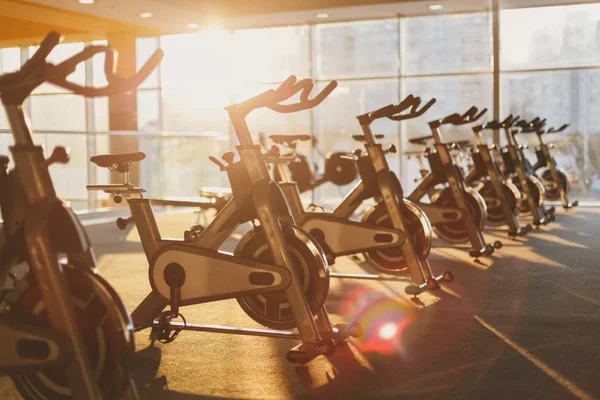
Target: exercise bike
457, 212
381, 234
501, 196
65, 332
555, 180
519, 170
278, 274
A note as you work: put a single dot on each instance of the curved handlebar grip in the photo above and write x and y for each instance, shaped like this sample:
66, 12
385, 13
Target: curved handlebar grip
475, 117
410, 102
492, 125
562, 128
51, 40
383, 112
509, 121
306, 85
425, 107
318, 99
287, 89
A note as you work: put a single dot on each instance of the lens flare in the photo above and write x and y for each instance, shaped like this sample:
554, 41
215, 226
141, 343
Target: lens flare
384, 318
388, 331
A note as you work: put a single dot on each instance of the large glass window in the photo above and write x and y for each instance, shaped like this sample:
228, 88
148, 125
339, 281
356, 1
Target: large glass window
357, 49
271, 54
448, 44
550, 37
564, 43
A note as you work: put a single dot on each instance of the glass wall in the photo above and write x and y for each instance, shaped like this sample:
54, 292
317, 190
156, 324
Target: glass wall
550, 67
376, 63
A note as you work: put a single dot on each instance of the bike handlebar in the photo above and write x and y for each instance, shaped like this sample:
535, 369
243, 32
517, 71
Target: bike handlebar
37, 70
556, 130
57, 74
305, 87
272, 99
495, 125
470, 116
394, 112
535, 125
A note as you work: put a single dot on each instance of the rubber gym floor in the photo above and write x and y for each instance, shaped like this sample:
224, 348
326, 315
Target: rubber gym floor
523, 324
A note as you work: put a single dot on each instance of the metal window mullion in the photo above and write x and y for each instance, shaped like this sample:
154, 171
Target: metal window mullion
161, 114
401, 136
313, 128
90, 126
496, 66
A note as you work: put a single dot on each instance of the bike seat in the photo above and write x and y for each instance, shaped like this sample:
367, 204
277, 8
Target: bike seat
421, 140
117, 161
288, 140
361, 138
463, 143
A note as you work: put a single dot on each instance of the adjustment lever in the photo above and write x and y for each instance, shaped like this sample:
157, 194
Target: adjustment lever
273, 152
390, 149
123, 222
4, 160
228, 157
59, 155
221, 166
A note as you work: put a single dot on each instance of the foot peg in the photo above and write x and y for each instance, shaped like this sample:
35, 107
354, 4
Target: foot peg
341, 332
431, 284
308, 351
521, 232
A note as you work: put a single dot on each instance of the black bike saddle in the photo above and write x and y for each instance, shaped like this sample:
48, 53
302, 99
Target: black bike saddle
116, 161
463, 143
421, 140
288, 140
361, 138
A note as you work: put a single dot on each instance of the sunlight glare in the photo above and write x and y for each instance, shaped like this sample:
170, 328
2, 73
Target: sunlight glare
388, 331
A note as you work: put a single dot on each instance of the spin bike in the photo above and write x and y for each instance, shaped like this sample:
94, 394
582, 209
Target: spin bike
65, 332
381, 234
277, 273
501, 196
555, 180
457, 212
518, 168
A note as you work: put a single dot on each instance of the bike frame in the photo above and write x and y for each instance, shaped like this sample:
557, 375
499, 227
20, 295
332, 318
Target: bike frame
254, 197
42, 251
391, 191
484, 165
545, 159
335, 232
442, 160
517, 160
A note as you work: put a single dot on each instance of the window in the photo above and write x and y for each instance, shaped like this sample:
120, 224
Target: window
357, 49
271, 54
448, 44
550, 37
565, 43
